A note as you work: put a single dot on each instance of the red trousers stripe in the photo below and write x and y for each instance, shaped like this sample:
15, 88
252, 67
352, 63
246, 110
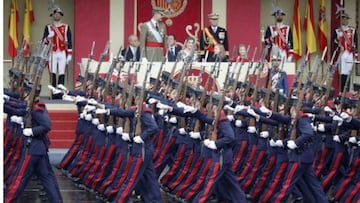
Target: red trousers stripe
83, 156
174, 166
200, 180
184, 171
164, 152
351, 174
194, 170
331, 174
103, 166
122, 178
353, 193
264, 176
248, 164
276, 181
287, 182
158, 144
210, 183
254, 169
13, 189
131, 182
96, 165
239, 155
72, 151
89, 163
321, 162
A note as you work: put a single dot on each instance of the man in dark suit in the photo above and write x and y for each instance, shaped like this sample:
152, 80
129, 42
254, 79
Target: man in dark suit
132, 52
173, 49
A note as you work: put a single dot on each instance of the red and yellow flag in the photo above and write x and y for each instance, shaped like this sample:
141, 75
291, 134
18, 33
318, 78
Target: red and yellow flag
297, 42
28, 19
13, 29
309, 27
322, 30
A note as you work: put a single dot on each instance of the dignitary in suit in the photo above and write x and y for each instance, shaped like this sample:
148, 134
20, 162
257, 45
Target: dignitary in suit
173, 49
279, 36
213, 35
152, 36
132, 52
346, 38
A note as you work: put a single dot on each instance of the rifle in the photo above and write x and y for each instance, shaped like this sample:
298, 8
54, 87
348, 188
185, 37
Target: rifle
171, 76
298, 108
114, 62
156, 86
114, 93
86, 74
44, 58
329, 77
101, 59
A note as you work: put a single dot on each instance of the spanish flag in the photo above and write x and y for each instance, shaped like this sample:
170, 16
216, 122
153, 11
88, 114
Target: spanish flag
322, 30
28, 19
297, 42
13, 29
309, 27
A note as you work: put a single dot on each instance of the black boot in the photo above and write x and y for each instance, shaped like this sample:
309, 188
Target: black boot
61, 79
53, 79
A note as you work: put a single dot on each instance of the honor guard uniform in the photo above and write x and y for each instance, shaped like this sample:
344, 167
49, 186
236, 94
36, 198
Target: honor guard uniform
279, 36
152, 36
346, 38
211, 36
59, 34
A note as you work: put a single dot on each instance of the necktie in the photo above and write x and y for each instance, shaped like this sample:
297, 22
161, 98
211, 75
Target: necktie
173, 51
156, 26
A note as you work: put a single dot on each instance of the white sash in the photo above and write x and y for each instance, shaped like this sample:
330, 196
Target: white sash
154, 32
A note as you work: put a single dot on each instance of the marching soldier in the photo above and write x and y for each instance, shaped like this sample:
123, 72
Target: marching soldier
59, 34
279, 36
346, 38
213, 35
152, 36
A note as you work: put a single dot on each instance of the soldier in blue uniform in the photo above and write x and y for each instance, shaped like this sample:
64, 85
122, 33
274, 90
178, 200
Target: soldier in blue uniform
35, 160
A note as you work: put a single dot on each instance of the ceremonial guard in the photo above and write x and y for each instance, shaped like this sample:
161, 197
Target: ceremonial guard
279, 36
346, 38
59, 34
211, 36
152, 36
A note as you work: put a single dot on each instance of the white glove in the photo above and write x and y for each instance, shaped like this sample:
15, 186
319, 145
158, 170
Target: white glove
190, 109
101, 127
182, 131
88, 117
328, 109
173, 120
230, 117
82, 115
119, 130
51, 34
152, 101
61, 87
54, 90
238, 123
340, 34
310, 115
264, 110
79, 99
162, 106
109, 129
291, 144
274, 34
211, 144
27, 132
16, 119
95, 121
239, 108
252, 112
264, 134
251, 129
352, 140
344, 116
272, 143
161, 112
89, 108
166, 118
180, 105
336, 138
314, 127
101, 111
206, 142
69, 98
338, 119
279, 143
50, 87
68, 58
321, 127
195, 135
6, 97
290, 58
138, 140
126, 137
92, 102
228, 108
